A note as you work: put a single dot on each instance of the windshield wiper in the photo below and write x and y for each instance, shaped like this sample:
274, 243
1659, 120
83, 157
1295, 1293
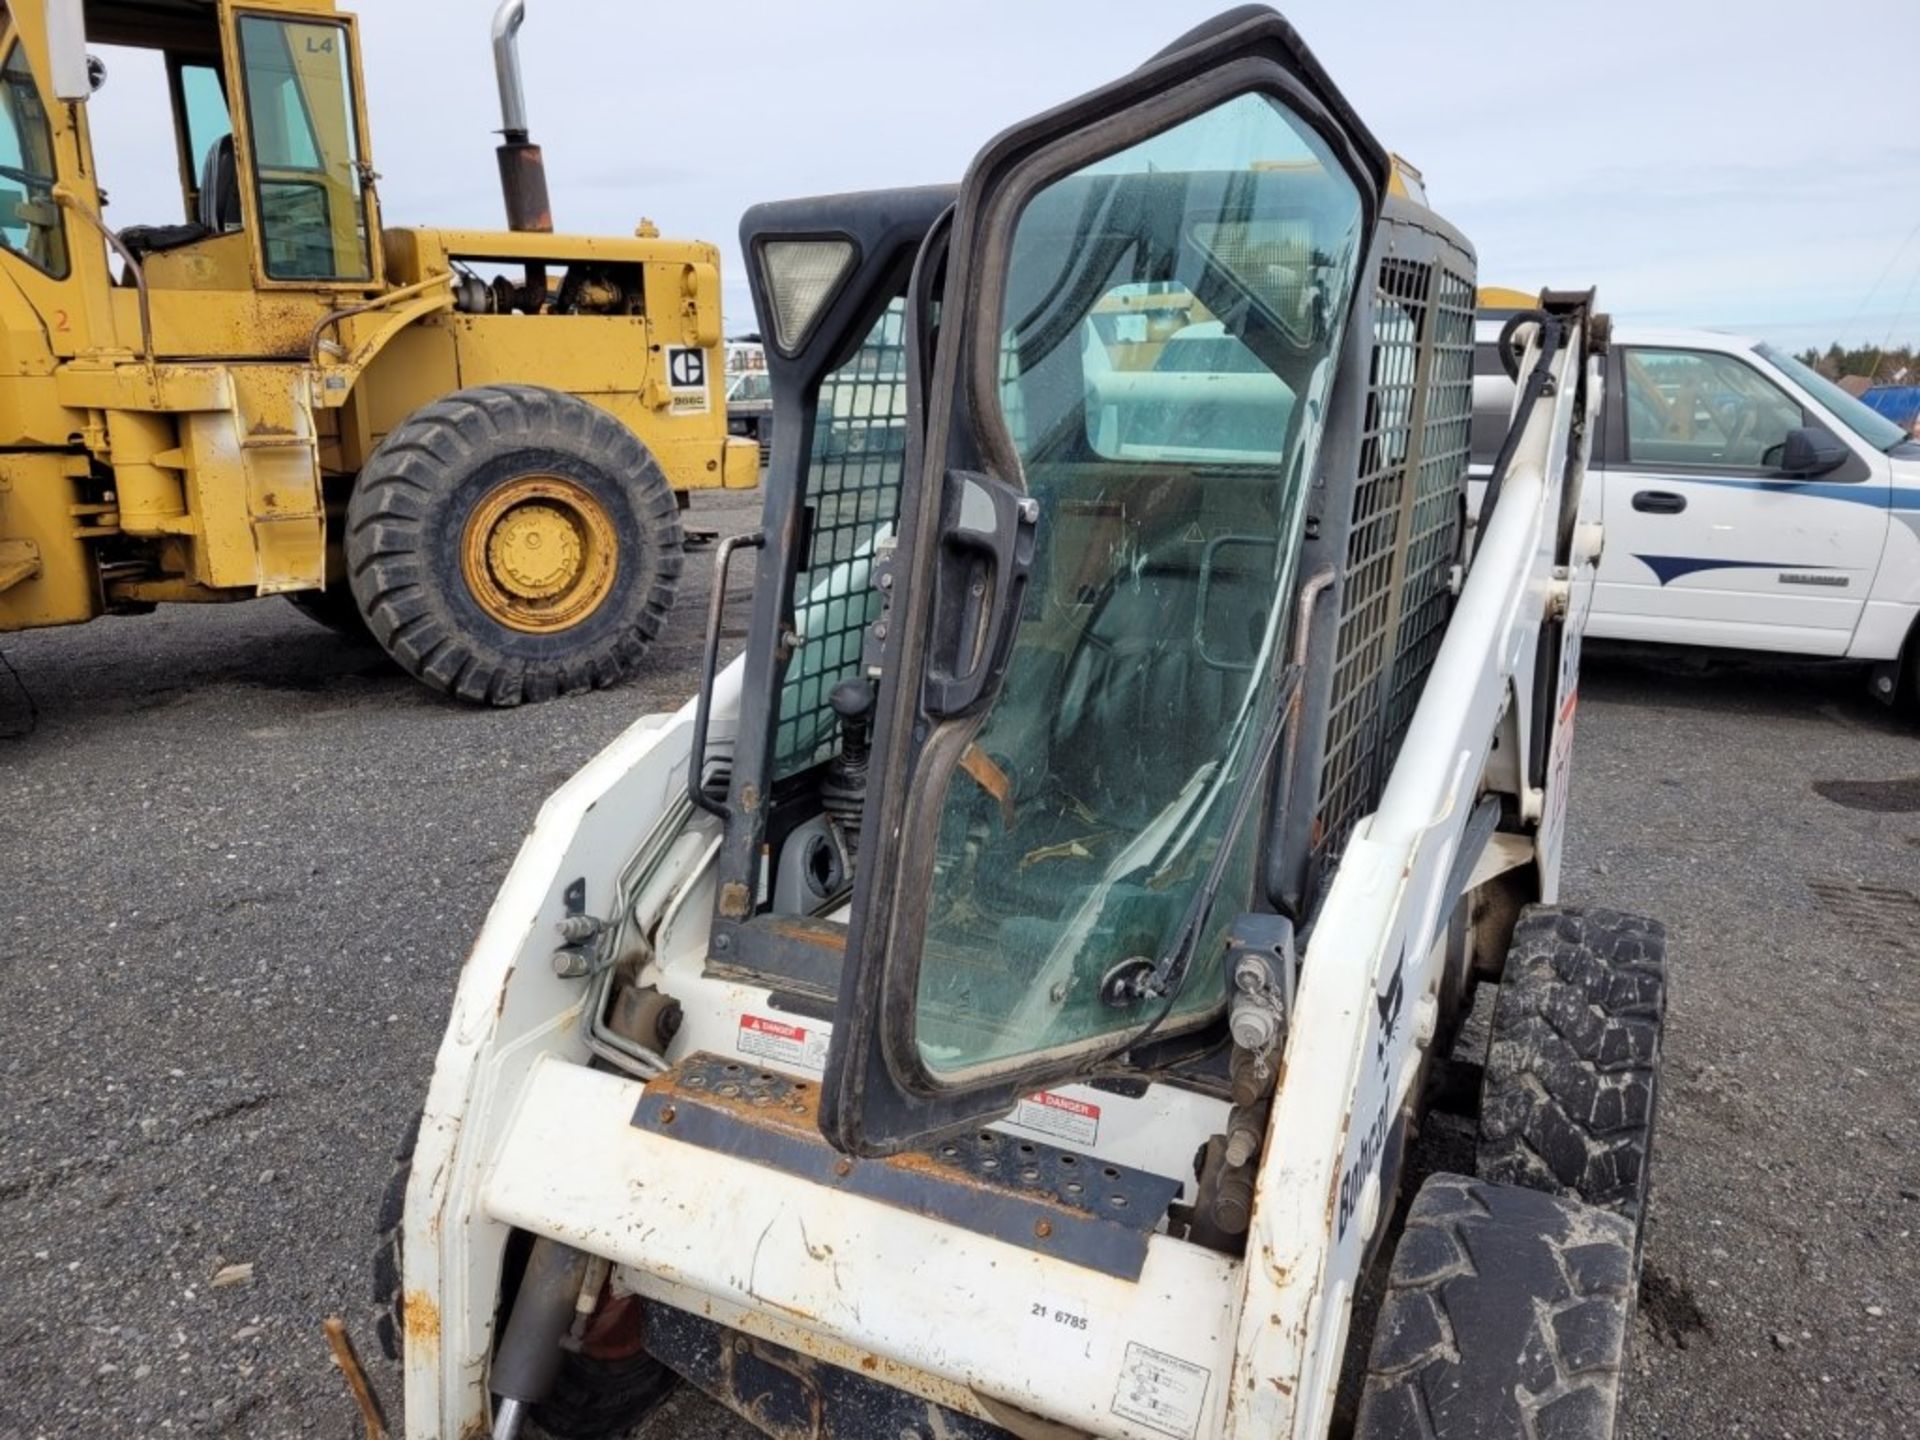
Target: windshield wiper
1168, 975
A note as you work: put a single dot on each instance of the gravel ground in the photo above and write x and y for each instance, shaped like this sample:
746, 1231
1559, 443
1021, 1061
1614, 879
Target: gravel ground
244, 859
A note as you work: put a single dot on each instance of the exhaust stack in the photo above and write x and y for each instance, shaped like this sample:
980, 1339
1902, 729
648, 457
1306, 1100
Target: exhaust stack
523, 173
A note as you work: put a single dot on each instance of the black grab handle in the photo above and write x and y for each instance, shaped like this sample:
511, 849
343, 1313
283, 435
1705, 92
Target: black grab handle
1659, 502
709, 665
988, 524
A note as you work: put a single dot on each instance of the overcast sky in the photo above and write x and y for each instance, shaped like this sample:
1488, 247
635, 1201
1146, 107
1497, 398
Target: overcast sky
1751, 166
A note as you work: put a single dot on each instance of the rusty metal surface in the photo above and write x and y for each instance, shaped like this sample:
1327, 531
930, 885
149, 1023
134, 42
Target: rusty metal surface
523, 184
1056, 1202
792, 1396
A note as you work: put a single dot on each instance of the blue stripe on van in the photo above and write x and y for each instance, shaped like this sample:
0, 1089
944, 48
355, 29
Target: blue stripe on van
1863, 493
1668, 568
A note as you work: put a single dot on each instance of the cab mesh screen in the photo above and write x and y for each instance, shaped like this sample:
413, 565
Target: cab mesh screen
1433, 537
1396, 594
852, 494
1349, 774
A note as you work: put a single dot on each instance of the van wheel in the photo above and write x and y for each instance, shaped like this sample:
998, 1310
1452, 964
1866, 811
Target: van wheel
1507, 1316
604, 1388
1573, 1071
1906, 694
511, 543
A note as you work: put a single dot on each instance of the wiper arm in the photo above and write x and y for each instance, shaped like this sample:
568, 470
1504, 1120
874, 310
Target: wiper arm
1169, 973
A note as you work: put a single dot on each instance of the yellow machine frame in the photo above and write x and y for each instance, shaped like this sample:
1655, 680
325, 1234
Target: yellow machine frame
183, 432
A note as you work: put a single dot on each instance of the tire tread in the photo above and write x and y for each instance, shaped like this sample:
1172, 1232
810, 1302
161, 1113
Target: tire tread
1507, 1316
1572, 1074
395, 501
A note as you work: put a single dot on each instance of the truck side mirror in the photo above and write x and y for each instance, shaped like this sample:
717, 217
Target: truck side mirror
1811, 450
72, 76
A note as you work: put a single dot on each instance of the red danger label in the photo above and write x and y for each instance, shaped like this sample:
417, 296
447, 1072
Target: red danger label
784, 1043
1060, 1116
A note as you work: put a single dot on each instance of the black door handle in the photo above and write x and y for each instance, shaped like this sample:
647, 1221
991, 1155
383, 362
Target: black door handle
985, 556
1659, 502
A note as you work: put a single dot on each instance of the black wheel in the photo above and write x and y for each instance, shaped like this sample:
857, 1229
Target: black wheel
1506, 1317
510, 543
596, 1397
1573, 1071
389, 1283
335, 608
1906, 677
604, 1388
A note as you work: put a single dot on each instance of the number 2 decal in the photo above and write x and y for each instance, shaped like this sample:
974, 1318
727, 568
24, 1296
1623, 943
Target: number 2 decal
60, 321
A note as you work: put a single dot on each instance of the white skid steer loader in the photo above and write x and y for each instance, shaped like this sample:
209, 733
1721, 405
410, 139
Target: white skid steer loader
1001, 1003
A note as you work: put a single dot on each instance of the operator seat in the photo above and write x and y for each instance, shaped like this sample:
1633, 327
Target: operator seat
1143, 705
220, 188
219, 209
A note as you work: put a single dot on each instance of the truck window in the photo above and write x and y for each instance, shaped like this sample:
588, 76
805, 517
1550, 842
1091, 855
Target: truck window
30, 222
306, 153
1869, 424
1698, 408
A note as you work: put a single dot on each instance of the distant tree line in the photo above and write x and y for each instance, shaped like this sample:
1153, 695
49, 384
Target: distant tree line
1876, 362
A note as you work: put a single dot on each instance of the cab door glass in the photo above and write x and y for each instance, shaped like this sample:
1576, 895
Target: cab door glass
306, 156
1696, 408
1167, 338
203, 103
30, 222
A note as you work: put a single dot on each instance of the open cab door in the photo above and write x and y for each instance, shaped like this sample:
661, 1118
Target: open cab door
1081, 651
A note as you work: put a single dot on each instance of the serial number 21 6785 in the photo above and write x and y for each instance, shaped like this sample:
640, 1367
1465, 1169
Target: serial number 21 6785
1043, 1311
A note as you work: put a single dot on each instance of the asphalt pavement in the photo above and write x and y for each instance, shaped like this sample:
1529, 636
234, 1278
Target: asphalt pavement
243, 860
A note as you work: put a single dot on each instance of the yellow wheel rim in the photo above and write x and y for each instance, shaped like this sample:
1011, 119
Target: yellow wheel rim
539, 554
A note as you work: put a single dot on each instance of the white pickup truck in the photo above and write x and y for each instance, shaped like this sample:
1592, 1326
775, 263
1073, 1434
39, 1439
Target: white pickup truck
1749, 502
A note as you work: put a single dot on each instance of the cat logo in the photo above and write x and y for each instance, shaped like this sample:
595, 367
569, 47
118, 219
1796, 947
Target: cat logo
686, 367
686, 380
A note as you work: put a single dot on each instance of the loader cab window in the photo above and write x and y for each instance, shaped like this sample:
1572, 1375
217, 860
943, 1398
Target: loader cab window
1167, 339
155, 119
306, 157
30, 222
207, 128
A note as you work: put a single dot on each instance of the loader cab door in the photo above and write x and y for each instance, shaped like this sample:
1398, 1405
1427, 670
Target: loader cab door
1082, 679
302, 176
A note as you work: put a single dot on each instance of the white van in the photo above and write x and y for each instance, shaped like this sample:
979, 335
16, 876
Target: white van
1749, 502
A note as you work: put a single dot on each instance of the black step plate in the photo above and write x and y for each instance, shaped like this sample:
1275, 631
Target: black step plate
1074, 1207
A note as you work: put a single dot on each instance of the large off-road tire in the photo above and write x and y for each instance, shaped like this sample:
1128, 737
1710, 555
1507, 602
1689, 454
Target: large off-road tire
1573, 1071
511, 543
335, 608
595, 1395
1507, 1317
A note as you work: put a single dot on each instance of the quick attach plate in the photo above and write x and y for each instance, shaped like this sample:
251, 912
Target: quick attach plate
1074, 1207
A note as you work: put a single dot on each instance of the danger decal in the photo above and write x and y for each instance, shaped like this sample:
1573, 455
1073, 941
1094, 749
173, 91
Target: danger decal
1060, 1117
784, 1043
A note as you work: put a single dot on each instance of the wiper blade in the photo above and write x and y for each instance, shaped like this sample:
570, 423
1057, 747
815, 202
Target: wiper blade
1169, 974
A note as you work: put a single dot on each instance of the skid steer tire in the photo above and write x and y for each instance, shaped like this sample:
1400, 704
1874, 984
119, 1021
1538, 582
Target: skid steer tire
1573, 1070
594, 1397
1507, 1316
510, 543
335, 608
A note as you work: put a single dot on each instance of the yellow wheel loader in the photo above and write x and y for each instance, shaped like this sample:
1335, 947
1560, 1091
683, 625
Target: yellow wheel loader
474, 444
